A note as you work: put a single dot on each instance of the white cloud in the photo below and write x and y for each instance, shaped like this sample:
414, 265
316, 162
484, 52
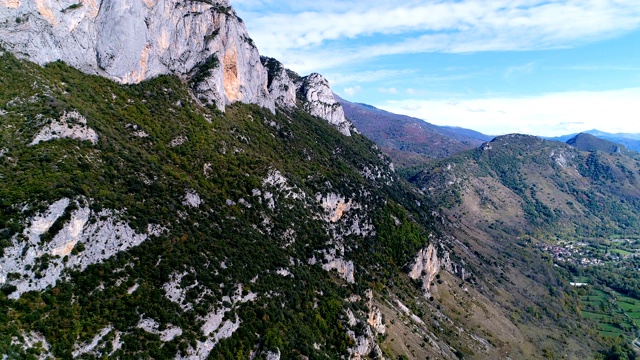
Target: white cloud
365, 76
352, 90
390, 90
548, 115
312, 37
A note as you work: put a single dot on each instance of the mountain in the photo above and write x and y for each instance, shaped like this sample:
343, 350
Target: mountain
630, 141
408, 140
526, 183
202, 42
137, 222
588, 142
580, 209
231, 211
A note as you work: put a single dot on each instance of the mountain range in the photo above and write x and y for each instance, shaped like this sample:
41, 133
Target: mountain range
168, 193
630, 141
409, 140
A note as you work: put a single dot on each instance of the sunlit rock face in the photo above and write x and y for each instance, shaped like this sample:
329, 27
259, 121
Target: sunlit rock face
131, 41
320, 102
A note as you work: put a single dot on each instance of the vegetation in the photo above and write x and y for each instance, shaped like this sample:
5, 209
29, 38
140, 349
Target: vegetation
135, 168
156, 143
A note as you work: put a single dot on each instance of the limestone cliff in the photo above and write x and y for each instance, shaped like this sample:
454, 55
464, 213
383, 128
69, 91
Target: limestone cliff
281, 86
203, 42
131, 41
319, 101
427, 265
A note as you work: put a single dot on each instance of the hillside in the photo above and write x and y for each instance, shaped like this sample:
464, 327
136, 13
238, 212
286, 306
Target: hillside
190, 199
630, 141
578, 209
588, 142
140, 223
526, 183
409, 141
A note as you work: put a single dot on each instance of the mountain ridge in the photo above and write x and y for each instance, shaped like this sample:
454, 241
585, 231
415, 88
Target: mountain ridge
630, 141
409, 140
204, 43
140, 221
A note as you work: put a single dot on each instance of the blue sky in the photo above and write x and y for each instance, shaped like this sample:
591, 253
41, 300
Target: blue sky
497, 66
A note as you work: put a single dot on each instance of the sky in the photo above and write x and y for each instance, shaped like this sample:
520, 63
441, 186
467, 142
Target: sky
544, 68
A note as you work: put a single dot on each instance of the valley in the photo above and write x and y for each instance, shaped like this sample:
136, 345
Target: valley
192, 199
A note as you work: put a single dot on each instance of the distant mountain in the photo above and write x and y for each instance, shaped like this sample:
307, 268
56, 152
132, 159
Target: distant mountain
526, 184
409, 140
630, 141
588, 142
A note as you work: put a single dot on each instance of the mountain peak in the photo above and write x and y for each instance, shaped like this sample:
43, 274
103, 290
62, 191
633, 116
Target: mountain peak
588, 142
203, 42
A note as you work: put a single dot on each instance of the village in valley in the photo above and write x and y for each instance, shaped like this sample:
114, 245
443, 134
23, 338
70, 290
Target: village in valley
599, 267
617, 252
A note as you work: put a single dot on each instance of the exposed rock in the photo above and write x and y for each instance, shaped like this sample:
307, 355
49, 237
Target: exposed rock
131, 41
284, 272
133, 289
71, 125
409, 313
203, 348
375, 315
100, 240
269, 355
178, 141
427, 265
117, 343
335, 206
344, 268
276, 181
89, 348
320, 102
33, 340
281, 87
152, 326
176, 293
365, 346
213, 321
137, 131
191, 198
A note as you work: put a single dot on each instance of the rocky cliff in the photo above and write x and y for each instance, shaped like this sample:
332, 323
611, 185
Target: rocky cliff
320, 102
202, 42
131, 41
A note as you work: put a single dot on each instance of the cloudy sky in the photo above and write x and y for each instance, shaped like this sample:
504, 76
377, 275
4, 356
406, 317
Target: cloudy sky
498, 66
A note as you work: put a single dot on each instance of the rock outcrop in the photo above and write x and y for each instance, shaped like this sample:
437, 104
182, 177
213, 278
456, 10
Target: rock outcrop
33, 262
427, 265
280, 85
131, 41
320, 102
203, 42
71, 125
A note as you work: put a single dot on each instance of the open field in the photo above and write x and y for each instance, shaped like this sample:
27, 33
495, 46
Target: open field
613, 313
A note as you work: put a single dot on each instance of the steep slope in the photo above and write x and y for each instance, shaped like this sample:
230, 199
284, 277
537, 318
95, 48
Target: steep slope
525, 183
588, 142
134, 41
163, 228
409, 140
138, 223
204, 43
630, 141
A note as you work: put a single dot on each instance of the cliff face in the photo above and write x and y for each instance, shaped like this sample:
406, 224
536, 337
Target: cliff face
202, 42
131, 41
320, 102
281, 86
